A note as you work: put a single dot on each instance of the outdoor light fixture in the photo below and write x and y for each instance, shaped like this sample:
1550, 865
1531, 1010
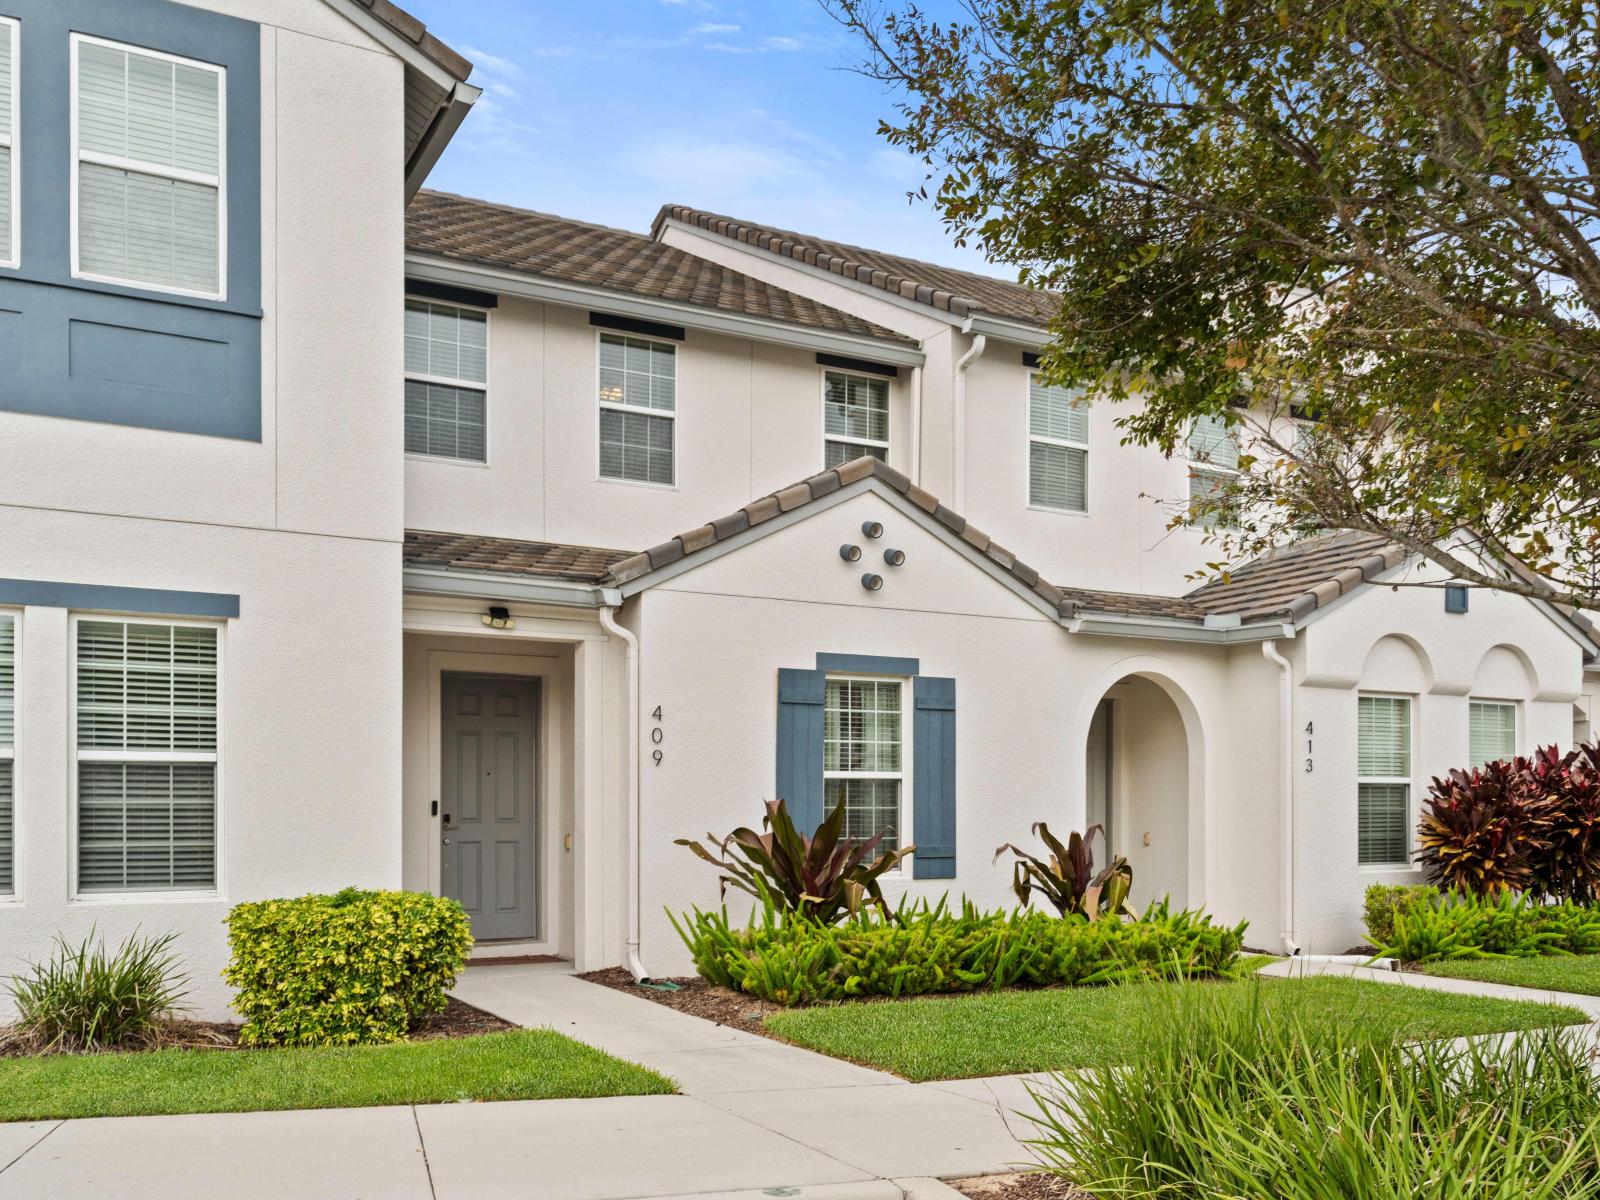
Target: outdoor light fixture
850, 553
895, 558
873, 529
1455, 598
499, 617
872, 582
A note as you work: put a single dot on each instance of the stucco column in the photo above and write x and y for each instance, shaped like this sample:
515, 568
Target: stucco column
588, 948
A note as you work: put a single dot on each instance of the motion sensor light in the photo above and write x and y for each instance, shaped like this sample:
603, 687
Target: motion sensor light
499, 617
872, 582
895, 558
873, 529
850, 553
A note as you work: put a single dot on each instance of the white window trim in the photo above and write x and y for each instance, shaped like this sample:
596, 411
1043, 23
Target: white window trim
466, 384
1409, 781
1516, 721
9, 754
13, 140
75, 756
219, 181
602, 405
905, 774
888, 414
1067, 443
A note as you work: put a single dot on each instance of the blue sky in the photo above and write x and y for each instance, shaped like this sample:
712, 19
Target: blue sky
604, 110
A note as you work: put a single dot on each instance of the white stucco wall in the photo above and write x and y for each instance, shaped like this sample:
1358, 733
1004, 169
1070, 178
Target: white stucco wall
304, 526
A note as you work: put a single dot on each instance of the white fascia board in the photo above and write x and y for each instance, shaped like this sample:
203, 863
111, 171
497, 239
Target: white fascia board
443, 127
490, 586
550, 291
382, 33
1156, 629
1003, 330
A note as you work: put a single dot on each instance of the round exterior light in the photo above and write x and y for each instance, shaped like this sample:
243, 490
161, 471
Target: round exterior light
895, 558
873, 529
872, 582
850, 553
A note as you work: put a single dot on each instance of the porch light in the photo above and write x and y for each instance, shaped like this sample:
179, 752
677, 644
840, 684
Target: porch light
850, 553
499, 617
895, 558
873, 529
872, 582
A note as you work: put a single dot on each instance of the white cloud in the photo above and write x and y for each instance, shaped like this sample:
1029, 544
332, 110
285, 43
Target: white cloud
492, 64
712, 27
780, 43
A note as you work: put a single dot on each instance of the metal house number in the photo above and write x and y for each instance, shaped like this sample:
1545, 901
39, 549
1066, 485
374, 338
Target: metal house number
1310, 729
656, 736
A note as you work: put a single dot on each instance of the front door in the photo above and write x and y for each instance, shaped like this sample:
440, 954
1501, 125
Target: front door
487, 801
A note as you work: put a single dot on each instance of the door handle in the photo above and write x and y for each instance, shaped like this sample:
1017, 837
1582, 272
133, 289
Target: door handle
447, 841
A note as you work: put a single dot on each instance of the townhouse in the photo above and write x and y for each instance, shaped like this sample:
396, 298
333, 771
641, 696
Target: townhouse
361, 534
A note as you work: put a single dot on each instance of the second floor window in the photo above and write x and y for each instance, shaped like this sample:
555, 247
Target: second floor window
1058, 448
638, 397
148, 181
1213, 463
447, 374
855, 418
1491, 731
8, 143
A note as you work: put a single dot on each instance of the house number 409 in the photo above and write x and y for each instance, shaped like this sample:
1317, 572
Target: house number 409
656, 736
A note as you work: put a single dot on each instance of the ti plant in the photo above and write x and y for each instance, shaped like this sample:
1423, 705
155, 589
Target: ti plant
1068, 879
823, 877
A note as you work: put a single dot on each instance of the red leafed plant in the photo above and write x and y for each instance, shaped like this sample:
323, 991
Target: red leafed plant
1568, 866
1482, 830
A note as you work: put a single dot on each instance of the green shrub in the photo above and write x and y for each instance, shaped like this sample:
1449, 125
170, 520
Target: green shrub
1384, 900
1450, 925
83, 998
352, 967
927, 948
1262, 1102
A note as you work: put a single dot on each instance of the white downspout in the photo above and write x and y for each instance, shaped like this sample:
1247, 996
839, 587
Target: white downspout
608, 621
916, 426
971, 356
1285, 792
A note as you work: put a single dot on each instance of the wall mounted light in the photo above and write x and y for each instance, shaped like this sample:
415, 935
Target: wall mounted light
873, 529
895, 558
850, 553
872, 582
499, 617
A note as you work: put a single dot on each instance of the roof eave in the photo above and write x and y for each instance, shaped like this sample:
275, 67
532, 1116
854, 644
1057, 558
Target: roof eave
1036, 337
436, 269
445, 122
1175, 630
498, 585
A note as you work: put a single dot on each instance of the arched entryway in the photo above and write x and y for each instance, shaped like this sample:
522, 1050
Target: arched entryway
1144, 783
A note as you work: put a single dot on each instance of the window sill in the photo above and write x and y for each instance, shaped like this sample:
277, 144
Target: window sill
109, 898
1058, 512
1393, 869
446, 460
638, 483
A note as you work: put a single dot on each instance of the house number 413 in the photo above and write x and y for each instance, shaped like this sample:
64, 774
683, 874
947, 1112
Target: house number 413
1310, 729
656, 736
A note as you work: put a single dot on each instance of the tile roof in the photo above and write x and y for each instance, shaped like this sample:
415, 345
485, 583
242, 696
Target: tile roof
534, 243
508, 556
415, 32
1283, 585
960, 293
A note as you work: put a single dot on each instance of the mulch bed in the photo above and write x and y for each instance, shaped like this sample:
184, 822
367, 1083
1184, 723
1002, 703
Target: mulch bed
1031, 1185
458, 1019
697, 998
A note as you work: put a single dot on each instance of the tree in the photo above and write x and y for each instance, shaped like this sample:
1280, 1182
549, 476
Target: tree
1377, 218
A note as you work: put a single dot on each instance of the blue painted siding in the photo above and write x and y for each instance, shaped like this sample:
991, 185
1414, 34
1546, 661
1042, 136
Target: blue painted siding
99, 597
103, 352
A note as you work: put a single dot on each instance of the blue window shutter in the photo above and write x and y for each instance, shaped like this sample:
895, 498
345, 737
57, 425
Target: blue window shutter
799, 782
933, 778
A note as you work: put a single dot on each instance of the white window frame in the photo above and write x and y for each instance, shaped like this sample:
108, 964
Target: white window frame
76, 756
904, 774
1202, 467
1516, 721
465, 384
9, 754
218, 181
670, 414
1409, 782
1066, 443
888, 413
13, 140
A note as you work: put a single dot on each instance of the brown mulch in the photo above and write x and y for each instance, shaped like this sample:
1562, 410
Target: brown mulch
1030, 1185
458, 1019
697, 998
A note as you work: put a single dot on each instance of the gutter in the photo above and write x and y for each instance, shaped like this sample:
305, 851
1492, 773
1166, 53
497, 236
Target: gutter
486, 585
573, 295
1162, 629
608, 620
1031, 336
1285, 794
445, 122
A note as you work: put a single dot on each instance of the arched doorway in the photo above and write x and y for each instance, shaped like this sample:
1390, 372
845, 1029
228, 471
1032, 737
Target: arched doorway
1141, 777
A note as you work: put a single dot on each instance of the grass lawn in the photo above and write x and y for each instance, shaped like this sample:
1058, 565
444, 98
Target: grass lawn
1003, 1033
1554, 974
528, 1064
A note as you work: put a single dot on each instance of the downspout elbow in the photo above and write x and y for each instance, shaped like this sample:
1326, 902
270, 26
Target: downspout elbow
1285, 793
608, 621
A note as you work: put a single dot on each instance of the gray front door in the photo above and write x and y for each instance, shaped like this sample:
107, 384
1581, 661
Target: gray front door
487, 801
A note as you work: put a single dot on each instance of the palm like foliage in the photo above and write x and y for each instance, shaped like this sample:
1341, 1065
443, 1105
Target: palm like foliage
1067, 879
823, 877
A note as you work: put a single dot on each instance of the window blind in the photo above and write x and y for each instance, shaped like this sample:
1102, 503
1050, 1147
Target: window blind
447, 372
1491, 731
146, 702
149, 169
8, 728
8, 200
638, 396
1057, 412
862, 755
1058, 448
1212, 440
1383, 768
855, 417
